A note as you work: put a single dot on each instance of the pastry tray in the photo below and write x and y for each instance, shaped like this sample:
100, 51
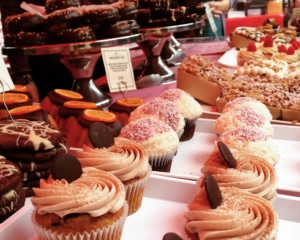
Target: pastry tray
164, 203
192, 154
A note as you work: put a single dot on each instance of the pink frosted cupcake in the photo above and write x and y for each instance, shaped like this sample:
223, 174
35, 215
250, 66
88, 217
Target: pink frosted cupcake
250, 102
242, 116
158, 139
127, 160
163, 110
189, 108
252, 140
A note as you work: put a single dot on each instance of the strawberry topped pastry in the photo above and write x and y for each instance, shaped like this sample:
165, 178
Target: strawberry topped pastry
246, 54
268, 47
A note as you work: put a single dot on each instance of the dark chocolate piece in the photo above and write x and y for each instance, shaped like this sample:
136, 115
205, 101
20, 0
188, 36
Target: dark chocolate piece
66, 166
213, 191
226, 154
100, 135
171, 236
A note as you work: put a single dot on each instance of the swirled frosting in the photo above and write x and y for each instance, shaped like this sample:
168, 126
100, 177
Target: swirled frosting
96, 192
241, 215
126, 159
252, 173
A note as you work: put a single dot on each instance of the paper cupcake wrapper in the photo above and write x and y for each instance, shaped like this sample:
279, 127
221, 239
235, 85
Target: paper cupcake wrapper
160, 162
135, 192
189, 130
111, 232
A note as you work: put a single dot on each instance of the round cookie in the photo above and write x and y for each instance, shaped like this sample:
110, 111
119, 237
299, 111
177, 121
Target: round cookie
66, 166
12, 196
100, 135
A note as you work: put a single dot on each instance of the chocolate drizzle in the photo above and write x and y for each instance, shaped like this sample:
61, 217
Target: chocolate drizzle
226, 154
213, 191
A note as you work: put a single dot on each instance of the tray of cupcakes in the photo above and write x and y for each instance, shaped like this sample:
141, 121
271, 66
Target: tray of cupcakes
164, 210
276, 143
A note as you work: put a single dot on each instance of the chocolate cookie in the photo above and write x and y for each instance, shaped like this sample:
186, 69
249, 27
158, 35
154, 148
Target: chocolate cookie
30, 135
12, 196
10, 175
100, 135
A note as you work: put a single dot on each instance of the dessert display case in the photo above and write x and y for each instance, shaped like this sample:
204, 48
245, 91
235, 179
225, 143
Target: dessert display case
162, 195
80, 59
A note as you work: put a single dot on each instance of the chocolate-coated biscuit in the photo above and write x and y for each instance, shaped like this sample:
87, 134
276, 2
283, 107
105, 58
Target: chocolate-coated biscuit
26, 134
33, 166
31, 155
11, 195
10, 175
27, 176
11, 207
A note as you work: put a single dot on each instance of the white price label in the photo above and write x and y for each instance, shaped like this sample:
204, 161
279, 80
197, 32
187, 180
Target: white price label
118, 68
5, 79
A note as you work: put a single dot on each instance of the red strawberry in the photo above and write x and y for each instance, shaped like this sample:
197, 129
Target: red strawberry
282, 48
290, 50
251, 47
295, 44
268, 41
293, 40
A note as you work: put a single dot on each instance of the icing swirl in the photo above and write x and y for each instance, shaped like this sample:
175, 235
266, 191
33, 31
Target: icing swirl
126, 159
241, 215
96, 192
252, 174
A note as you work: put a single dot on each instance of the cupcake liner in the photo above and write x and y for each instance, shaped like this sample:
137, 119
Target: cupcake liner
135, 192
161, 162
111, 232
189, 130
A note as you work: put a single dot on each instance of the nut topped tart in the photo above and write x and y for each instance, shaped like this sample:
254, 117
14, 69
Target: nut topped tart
85, 204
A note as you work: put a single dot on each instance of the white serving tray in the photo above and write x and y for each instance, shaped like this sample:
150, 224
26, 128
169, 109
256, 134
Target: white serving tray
229, 58
164, 203
192, 154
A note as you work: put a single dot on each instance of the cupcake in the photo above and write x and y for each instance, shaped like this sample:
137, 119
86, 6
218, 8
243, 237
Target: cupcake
91, 206
242, 116
242, 170
189, 108
250, 102
127, 160
159, 140
163, 110
236, 214
252, 140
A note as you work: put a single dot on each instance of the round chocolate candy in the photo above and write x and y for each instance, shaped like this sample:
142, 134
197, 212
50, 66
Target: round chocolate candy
66, 166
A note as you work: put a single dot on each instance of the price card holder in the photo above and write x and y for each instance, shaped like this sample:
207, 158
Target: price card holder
118, 67
6, 82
